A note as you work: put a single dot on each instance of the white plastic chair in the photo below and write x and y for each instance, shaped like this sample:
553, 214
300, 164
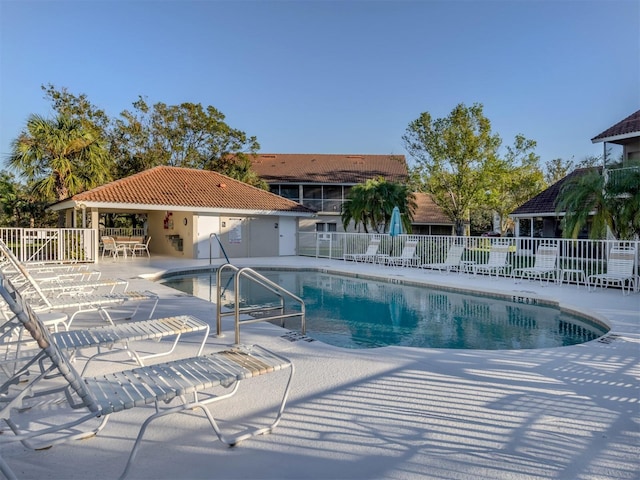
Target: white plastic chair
544, 265
497, 262
368, 256
620, 266
454, 257
110, 246
406, 258
141, 248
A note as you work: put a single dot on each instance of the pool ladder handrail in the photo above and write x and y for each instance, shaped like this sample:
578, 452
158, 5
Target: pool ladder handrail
215, 235
263, 281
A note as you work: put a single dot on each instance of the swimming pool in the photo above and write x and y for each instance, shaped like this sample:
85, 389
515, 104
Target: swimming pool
354, 312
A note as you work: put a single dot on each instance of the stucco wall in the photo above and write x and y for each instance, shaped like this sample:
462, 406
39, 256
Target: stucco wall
174, 223
249, 236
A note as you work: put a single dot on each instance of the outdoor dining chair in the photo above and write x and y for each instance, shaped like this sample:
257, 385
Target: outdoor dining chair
141, 248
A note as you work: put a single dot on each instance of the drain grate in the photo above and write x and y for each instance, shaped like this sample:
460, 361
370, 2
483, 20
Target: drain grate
609, 338
296, 336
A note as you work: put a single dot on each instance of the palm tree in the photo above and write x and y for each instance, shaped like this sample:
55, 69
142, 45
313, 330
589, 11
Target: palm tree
61, 157
612, 205
371, 204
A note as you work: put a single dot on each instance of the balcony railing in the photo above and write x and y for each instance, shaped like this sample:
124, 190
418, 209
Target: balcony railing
615, 175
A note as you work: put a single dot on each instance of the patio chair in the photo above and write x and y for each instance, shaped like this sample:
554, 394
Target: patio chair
406, 258
368, 256
57, 279
111, 247
17, 355
620, 270
141, 248
454, 257
81, 302
497, 262
545, 264
178, 386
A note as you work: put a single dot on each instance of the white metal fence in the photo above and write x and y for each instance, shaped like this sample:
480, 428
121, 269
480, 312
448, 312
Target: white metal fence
52, 244
577, 259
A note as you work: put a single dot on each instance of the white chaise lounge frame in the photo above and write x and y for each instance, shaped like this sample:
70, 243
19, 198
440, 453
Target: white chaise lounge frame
451, 262
620, 266
369, 256
184, 381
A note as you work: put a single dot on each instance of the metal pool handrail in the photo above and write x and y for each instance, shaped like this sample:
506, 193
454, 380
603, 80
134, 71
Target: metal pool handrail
261, 280
221, 247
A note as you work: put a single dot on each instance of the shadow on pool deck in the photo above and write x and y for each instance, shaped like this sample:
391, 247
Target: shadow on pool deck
395, 412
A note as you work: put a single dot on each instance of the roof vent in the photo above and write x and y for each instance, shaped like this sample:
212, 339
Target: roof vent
268, 156
222, 185
356, 156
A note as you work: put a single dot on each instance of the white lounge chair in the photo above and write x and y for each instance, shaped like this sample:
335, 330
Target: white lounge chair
545, 264
620, 270
178, 386
368, 256
454, 257
497, 262
406, 258
72, 300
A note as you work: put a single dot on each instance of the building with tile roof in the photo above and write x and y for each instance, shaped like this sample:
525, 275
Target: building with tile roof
322, 183
429, 219
184, 207
626, 133
538, 217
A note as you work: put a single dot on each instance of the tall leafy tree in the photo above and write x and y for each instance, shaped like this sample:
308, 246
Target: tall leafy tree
516, 178
457, 156
371, 203
10, 209
185, 135
19, 207
59, 157
78, 107
557, 169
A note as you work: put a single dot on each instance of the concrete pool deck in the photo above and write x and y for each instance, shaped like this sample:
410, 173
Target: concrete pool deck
394, 412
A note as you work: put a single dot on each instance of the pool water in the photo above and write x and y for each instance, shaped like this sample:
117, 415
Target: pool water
357, 313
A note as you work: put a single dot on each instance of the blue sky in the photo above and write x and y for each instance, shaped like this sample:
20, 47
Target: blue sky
334, 76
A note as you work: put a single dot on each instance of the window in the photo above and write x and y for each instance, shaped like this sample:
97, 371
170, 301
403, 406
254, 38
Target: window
291, 192
326, 227
312, 197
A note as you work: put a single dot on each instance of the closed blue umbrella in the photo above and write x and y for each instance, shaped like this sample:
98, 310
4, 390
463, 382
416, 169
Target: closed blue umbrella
395, 225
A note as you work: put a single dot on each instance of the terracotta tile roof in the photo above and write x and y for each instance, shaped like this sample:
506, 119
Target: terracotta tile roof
324, 168
186, 187
627, 128
427, 212
545, 202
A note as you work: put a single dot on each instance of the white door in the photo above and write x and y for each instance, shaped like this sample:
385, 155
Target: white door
288, 231
205, 227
